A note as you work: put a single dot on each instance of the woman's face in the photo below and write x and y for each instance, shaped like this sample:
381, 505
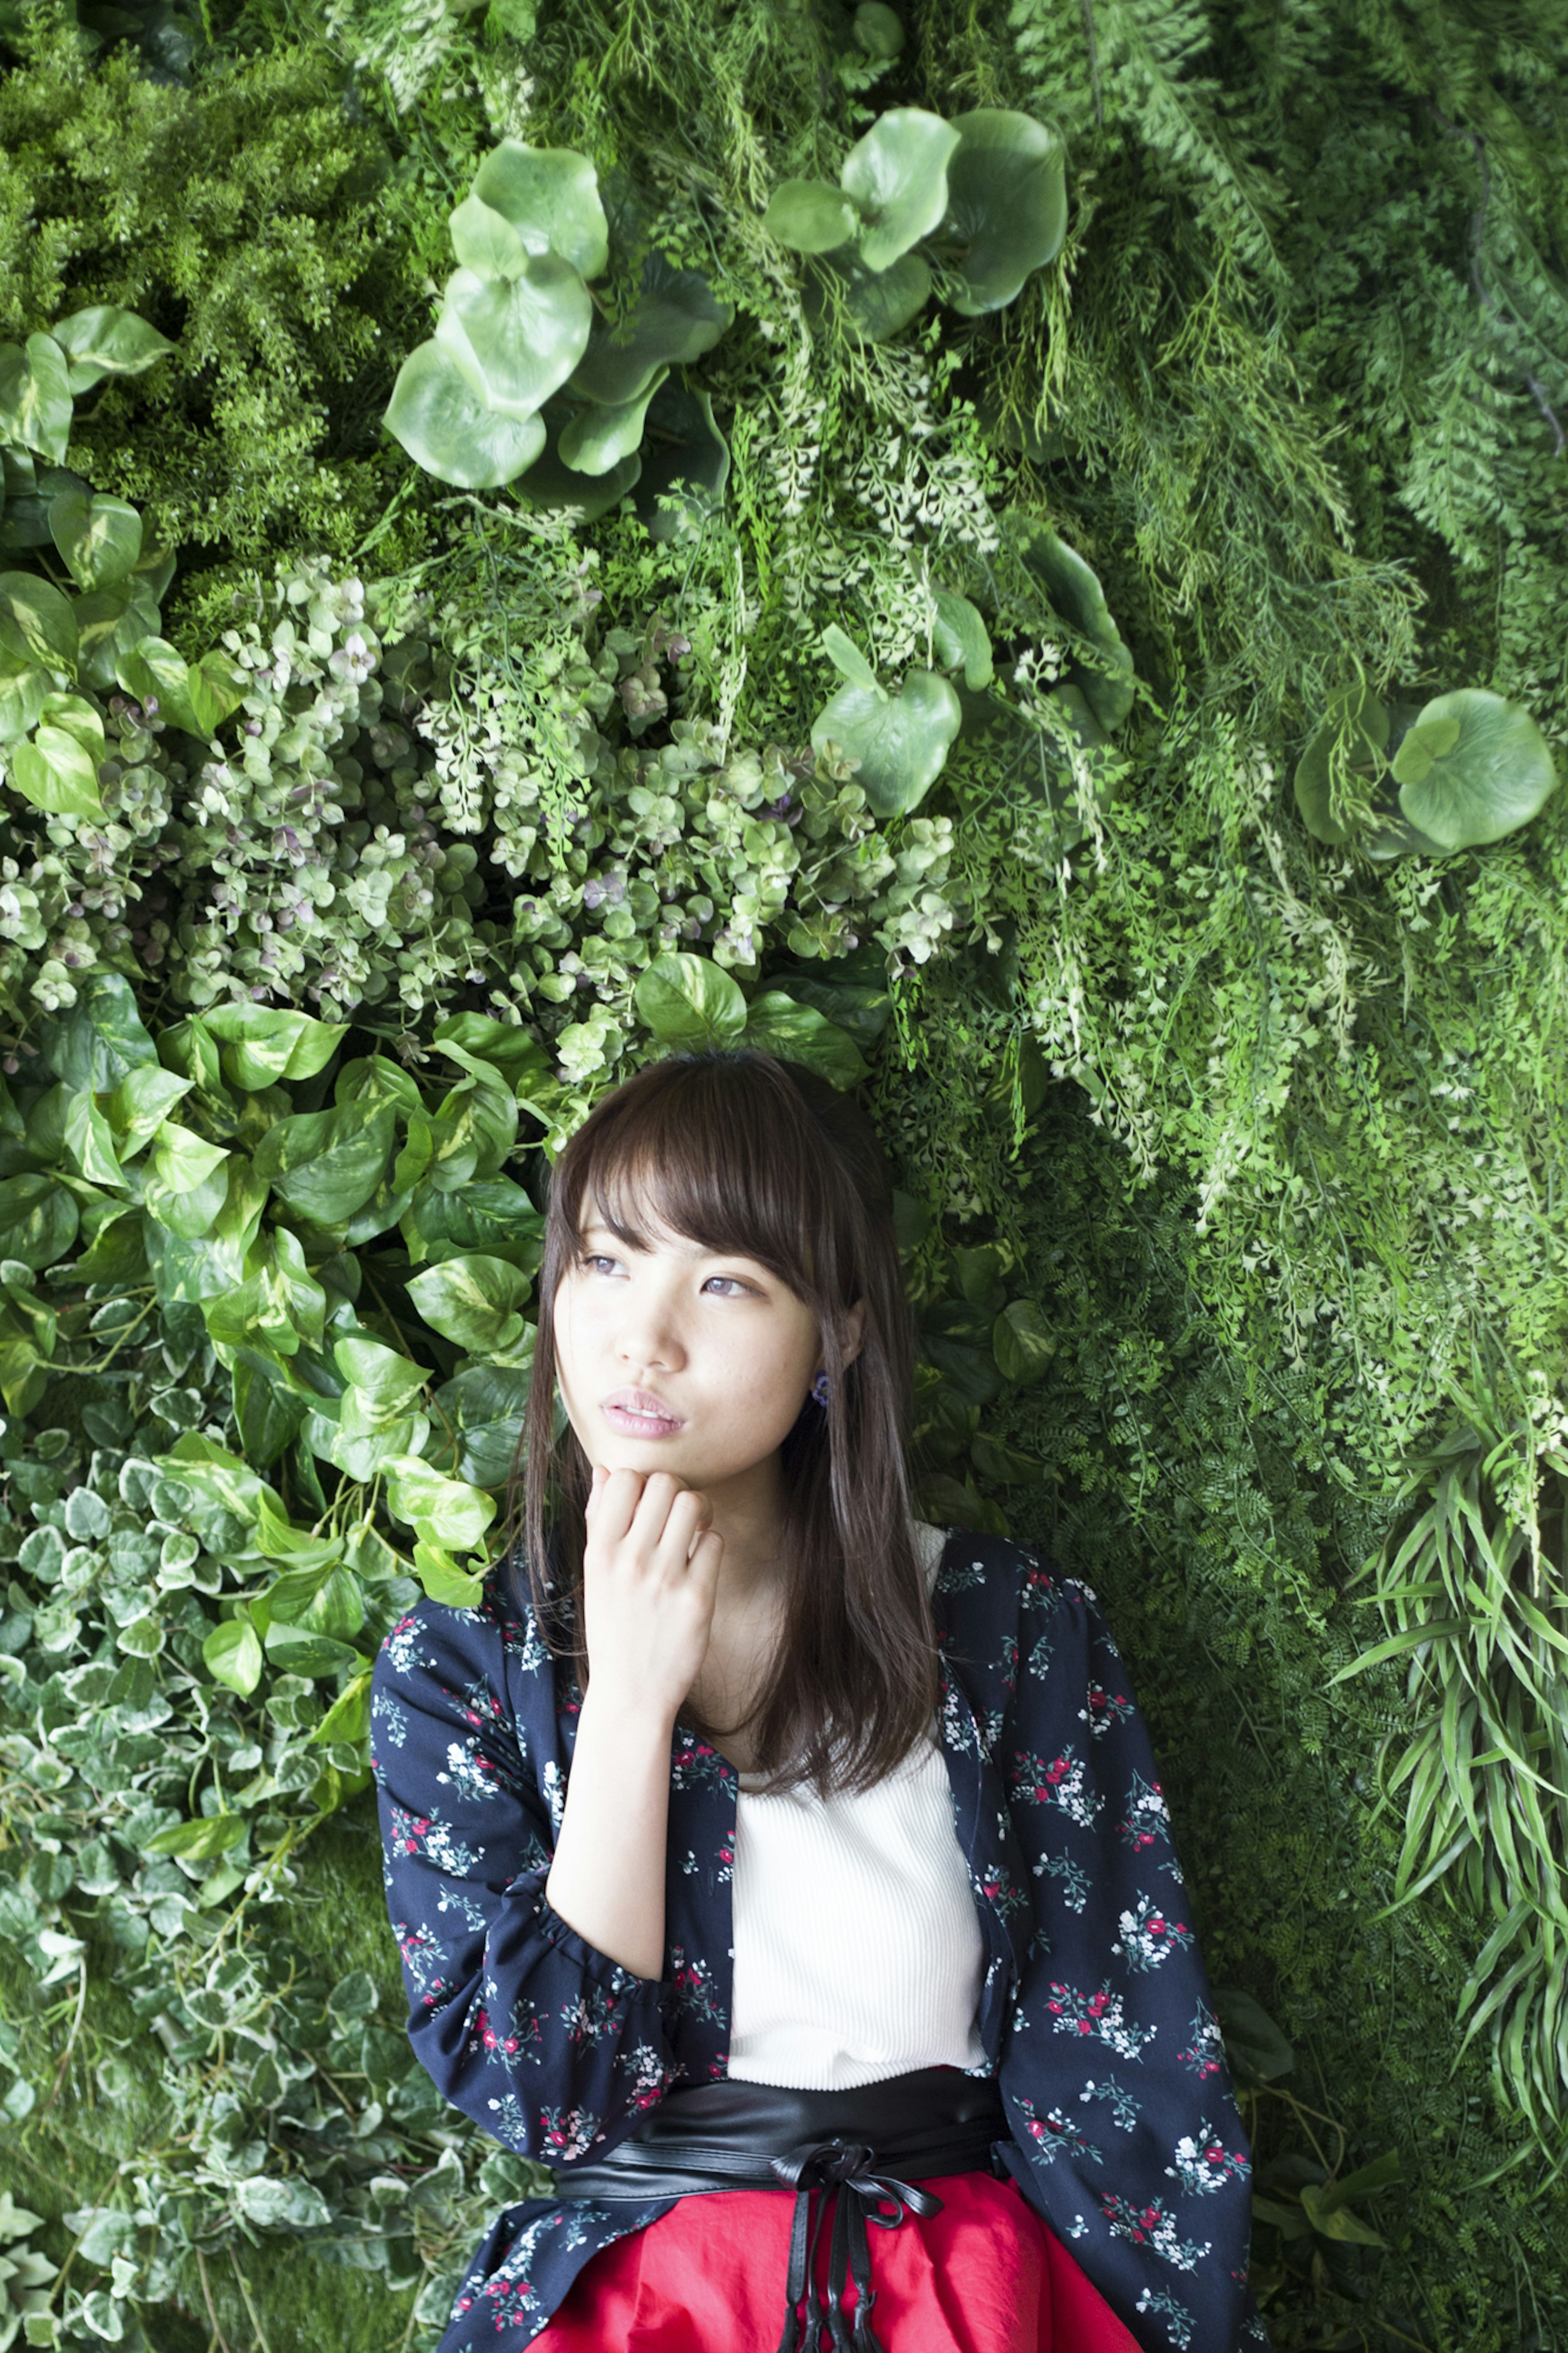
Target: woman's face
676, 1357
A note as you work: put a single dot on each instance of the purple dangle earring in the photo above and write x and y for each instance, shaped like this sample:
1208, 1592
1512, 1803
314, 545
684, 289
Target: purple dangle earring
822, 1390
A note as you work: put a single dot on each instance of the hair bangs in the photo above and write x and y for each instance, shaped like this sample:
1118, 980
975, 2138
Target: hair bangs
725, 1156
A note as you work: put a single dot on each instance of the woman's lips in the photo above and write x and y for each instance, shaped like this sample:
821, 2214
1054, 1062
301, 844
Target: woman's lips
635, 1413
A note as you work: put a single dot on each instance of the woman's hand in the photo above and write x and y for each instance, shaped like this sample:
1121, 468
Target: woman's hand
650, 1575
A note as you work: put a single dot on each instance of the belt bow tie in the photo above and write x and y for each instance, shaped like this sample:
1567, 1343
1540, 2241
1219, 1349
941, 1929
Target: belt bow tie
848, 2170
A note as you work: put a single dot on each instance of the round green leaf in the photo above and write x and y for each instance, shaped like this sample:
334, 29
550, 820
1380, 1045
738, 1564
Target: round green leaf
447, 427
111, 622
551, 197
675, 320
516, 339
900, 740
483, 1407
596, 439
687, 1000
37, 622
878, 306
878, 31
897, 177
326, 1164
1075, 593
1351, 737
1473, 768
98, 538
549, 482
264, 1043
107, 341
36, 396
101, 1040
810, 215
683, 454
485, 241
1007, 204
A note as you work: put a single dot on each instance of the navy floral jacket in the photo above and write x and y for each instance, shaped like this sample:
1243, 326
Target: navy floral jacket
1094, 2009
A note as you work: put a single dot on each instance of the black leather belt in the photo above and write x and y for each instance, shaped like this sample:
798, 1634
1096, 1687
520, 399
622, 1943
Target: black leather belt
870, 2145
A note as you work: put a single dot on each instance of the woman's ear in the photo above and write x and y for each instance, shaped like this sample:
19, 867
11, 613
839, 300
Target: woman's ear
854, 1331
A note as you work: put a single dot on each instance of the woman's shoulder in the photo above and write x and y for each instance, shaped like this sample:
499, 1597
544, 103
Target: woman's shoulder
497, 1638
978, 1571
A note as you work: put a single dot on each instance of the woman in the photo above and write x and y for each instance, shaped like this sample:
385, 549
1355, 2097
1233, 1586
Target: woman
767, 1865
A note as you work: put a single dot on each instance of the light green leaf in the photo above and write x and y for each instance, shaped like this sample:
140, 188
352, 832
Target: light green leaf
22, 700
597, 438
98, 538
485, 241
551, 197
90, 1142
1022, 1342
961, 640
36, 396
509, 1048
441, 1511
111, 623
210, 1471
495, 1217
141, 1101
1007, 204
38, 1220
897, 177
264, 1043
810, 215
325, 1164
484, 1408
849, 661
347, 1718
232, 1655
298, 1651
549, 482
107, 341
676, 319
443, 1581
185, 1160
900, 741
687, 1000
100, 1040
516, 339
448, 428
1336, 2221
1473, 768
199, 1839
386, 1378
54, 772
473, 1302
38, 623
1075, 591
777, 1024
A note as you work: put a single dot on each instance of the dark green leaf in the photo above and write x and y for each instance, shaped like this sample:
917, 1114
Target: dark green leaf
325, 1164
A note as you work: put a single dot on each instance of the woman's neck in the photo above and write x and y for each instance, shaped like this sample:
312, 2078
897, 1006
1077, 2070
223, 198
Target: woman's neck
749, 1514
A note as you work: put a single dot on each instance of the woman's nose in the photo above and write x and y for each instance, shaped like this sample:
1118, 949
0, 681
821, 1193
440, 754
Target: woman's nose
650, 1338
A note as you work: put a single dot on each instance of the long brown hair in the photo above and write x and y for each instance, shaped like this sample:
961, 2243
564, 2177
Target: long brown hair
748, 1152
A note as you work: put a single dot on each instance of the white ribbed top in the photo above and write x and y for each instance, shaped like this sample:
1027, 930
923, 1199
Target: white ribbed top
858, 1949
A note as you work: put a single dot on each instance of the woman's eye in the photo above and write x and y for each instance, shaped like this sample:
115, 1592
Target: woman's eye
734, 1287
596, 1261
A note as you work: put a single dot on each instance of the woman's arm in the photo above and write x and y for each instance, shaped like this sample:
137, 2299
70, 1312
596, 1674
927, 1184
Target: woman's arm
650, 1570
528, 2026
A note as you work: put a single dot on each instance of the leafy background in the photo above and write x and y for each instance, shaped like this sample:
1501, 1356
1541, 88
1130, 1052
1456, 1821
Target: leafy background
1232, 1160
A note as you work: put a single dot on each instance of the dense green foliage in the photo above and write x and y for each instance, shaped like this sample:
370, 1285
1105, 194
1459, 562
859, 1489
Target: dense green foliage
998, 729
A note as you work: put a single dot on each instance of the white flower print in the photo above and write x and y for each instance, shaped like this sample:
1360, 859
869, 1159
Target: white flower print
1125, 2110
1177, 2318
1100, 2015
1149, 1935
1204, 2164
469, 1771
1153, 2225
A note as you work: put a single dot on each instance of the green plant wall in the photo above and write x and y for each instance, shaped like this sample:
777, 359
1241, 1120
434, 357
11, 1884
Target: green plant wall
997, 725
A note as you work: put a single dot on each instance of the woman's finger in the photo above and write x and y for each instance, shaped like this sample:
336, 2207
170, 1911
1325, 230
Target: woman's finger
619, 1501
688, 1516
600, 1475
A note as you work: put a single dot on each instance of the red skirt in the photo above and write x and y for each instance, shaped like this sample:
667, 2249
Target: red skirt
984, 2276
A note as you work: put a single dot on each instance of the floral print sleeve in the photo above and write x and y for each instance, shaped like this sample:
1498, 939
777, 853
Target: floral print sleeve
1126, 2136
549, 2044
